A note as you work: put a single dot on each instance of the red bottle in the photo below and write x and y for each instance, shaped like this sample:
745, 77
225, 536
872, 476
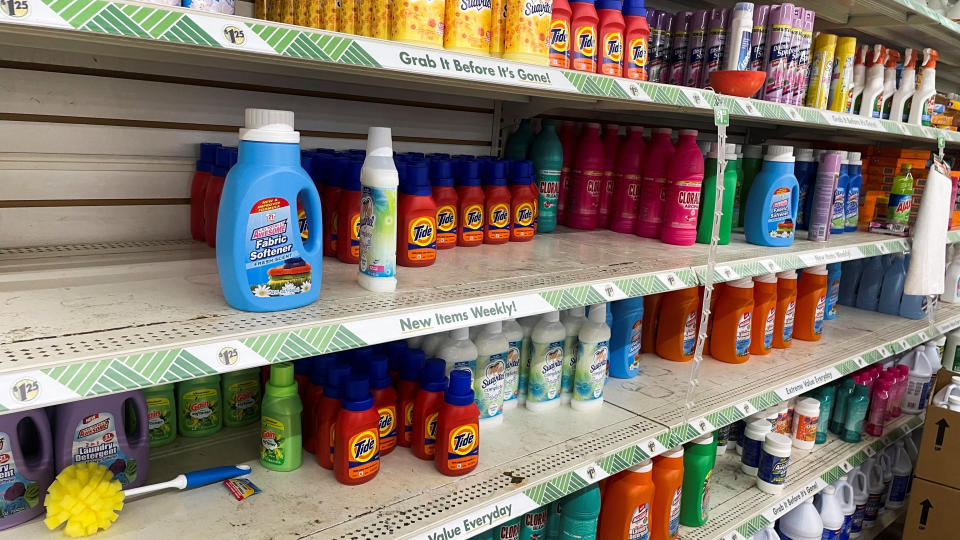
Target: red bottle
611, 146
311, 403
588, 167
385, 402
610, 30
470, 204
523, 202
635, 40
626, 182
496, 204
458, 433
356, 454
348, 215
198, 188
568, 141
583, 23
445, 197
408, 383
560, 35
327, 413
330, 202
416, 219
226, 157
426, 407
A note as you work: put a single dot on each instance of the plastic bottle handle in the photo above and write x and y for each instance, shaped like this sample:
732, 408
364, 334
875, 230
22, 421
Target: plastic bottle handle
313, 245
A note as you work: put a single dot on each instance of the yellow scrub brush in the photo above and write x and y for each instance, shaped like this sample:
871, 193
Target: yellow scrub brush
86, 497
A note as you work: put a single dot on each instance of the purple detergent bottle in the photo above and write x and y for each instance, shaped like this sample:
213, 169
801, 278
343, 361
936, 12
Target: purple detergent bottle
26, 465
97, 430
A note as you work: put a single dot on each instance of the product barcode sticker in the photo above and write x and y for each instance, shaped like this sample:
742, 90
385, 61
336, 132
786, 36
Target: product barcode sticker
727, 272
746, 408
845, 465
770, 266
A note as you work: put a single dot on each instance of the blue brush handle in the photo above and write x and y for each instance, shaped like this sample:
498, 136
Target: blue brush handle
215, 474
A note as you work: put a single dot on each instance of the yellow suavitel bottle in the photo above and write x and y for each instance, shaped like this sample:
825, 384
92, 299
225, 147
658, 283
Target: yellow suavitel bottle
527, 30
418, 22
466, 26
365, 18
841, 86
498, 26
330, 15
821, 69
349, 22
380, 26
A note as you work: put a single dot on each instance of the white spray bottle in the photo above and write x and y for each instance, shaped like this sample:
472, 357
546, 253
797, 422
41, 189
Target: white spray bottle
889, 81
859, 77
921, 109
900, 108
871, 102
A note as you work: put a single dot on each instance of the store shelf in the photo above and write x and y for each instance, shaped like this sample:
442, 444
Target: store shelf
87, 320
885, 518
738, 509
158, 33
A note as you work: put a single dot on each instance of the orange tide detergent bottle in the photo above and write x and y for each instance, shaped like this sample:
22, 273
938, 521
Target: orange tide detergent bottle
560, 50
458, 431
635, 40
330, 199
445, 197
348, 215
417, 218
496, 203
764, 314
677, 326
583, 22
627, 503
786, 309
385, 402
730, 338
523, 202
327, 413
668, 485
311, 405
811, 303
356, 455
611, 28
408, 383
651, 312
470, 204
426, 408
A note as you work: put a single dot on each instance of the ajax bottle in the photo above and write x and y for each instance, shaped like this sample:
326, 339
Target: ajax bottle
901, 196
445, 198
572, 321
416, 235
921, 106
588, 166
668, 491
590, 373
426, 408
611, 27
626, 336
764, 318
626, 182
583, 24
458, 435
348, 214
581, 511
811, 303
699, 457
653, 189
280, 430
676, 332
682, 202
627, 503
488, 375
263, 263
356, 454
546, 363
786, 309
635, 40
705, 225
611, 148
732, 324
771, 210
523, 203
27, 454
496, 203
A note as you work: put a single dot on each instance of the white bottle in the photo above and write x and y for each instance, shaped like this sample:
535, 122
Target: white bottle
526, 349
900, 109
858, 479
889, 81
952, 389
847, 504
414, 342
874, 473
488, 379
933, 356
459, 352
739, 34
546, 363
953, 13
378, 214
593, 353
951, 281
572, 320
769, 533
951, 351
859, 77
831, 514
754, 433
774, 460
802, 523
921, 108
953, 403
886, 466
871, 101
917, 381
902, 468
513, 332
805, 418
432, 344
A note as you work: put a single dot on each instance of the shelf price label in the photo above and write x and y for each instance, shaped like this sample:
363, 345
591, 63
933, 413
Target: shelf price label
845, 465
25, 390
671, 280
883, 352
770, 266
15, 8
728, 273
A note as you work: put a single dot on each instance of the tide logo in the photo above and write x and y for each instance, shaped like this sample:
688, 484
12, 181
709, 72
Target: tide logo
431, 426
638, 52
473, 217
422, 231
559, 34
363, 446
387, 420
355, 227
613, 47
587, 41
463, 440
500, 215
523, 214
446, 218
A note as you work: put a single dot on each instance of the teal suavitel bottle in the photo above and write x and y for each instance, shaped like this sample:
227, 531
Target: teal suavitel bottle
264, 264
547, 156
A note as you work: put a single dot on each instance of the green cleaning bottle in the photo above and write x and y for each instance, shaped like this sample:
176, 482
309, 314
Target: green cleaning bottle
547, 156
161, 415
200, 405
280, 440
518, 144
901, 196
554, 513
750, 166
734, 162
839, 414
241, 393
708, 197
581, 510
699, 457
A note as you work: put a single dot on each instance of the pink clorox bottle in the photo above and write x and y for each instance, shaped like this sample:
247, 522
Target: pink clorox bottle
654, 184
588, 167
682, 202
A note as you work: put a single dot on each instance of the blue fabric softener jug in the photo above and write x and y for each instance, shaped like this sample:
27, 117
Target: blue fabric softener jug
891, 290
871, 279
264, 263
850, 272
625, 333
771, 212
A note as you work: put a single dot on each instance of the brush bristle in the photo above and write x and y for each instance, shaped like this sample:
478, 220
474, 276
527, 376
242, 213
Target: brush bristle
86, 497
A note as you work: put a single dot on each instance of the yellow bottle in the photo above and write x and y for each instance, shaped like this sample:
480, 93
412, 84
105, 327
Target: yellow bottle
365, 17
330, 15
841, 85
348, 22
380, 26
418, 22
821, 70
527, 31
467, 26
498, 27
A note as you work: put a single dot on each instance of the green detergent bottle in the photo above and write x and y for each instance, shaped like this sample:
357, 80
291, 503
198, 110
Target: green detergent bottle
547, 156
901, 196
241, 393
708, 197
161, 414
750, 165
280, 439
826, 395
580, 513
518, 144
200, 406
699, 457
554, 513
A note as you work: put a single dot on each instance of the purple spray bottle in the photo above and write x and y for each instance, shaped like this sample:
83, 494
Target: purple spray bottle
716, 39
791, 82
803, 62
778, 51
695, 46
680, 38
758, 42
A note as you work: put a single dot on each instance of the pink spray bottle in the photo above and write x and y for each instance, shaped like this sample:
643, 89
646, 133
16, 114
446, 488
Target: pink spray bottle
682, 202
653, 187
588, 165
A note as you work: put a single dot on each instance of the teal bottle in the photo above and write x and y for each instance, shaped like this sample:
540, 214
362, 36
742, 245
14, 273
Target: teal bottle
771, 211
580, 513
519, 142
554, 513
699, 457
750, 165
547, 156
826, 395
708, 198
839, 415
857, 407
533, 524
891, 290
871, 280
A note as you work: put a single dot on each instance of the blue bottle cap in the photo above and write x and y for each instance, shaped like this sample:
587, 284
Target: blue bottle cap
321, 168
441, 172
221, 163
395, 351
234, 154
337, 376
469, 173
360, 359
415, 155
352, 180
616, 5
303, 366
320, 369
496, 173
356, 395
378, 372
339, 165
327, 151
306, 162
417, 181
412, 365
401, 171
438, 155
460, 391
357, 152
634, 8
208, 156
582, 1
433, 378
522, 173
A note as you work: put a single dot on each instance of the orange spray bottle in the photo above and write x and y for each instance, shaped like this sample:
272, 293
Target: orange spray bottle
786, 309
811, 303
627, 503
348, 214
730, 339
667, 483
496, 203
417, 218
426, 408
445, 197
470, 204
764, 314
458, 431
523, 201
677, 326
356, 455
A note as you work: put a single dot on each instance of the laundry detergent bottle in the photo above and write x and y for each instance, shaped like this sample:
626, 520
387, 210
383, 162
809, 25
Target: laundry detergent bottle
811, 303
588, 167
729, 180
682, 203
26, 454
626, 337
677, 326
730, 338
668, 490
786, 309
771, 212
263, 262
763, 321
627, 503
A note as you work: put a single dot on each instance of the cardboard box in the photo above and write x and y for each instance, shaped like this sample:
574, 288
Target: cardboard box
940, 446
895, 152
931, 510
